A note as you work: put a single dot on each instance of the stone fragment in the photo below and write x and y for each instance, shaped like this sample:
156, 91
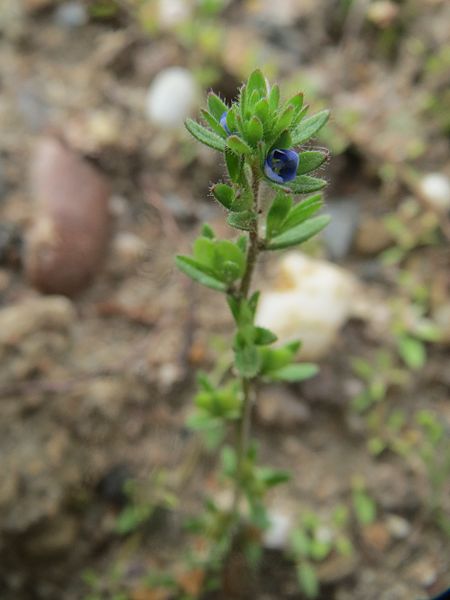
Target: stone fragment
68, 240
171, 97
311, 302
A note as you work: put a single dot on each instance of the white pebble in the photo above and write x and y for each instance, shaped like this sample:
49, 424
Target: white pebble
172, 96
277, 534
436, 188
313, 301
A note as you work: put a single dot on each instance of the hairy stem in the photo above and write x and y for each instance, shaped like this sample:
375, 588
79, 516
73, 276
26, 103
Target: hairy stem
244, 423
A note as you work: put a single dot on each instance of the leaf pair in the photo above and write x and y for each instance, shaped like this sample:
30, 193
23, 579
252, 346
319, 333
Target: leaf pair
289, 225
277, 364
215, 263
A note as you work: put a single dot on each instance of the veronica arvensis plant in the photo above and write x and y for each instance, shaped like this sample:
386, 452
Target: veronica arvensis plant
261, 140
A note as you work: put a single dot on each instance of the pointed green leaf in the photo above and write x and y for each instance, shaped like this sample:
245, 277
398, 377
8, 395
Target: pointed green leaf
304, 184
224, 194
242, 242
295, 372
253, 302
207, 231
278, 212
299, 234
254, 131
309, 127
257, 82
285, 119
284, 140
237, 145
234, 165
234, 305
226, 252
274, 97
302, 211
215, 126
244, 220
205, 136
198, 272
216, 106
308, 580
264, 336
310, 161
262, 111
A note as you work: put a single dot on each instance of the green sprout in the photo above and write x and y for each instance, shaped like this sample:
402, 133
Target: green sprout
261, 139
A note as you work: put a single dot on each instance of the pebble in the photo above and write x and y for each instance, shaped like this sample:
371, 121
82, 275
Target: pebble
71, 15
312, 301
276, 536
127, 251
398, 527
436, 189
171, 97
68, 240
338, 235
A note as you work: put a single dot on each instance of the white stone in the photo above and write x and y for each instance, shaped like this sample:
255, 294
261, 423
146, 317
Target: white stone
276, 535
173, 12
436, 188
171, 97
312, 302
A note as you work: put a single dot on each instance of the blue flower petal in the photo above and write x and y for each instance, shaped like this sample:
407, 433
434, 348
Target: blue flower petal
223, 122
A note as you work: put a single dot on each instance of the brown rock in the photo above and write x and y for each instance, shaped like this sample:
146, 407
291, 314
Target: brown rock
68, 240
376, 536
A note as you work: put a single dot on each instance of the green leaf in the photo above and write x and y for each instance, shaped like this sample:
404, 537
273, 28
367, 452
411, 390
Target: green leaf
195, 270
283, 140
272, 477
365, 507
304, 184
299, 234
274, 359
207, 231
308, 580
300, 543
277, 214
215, 126
253, 302
262, 111
226, 254
263, 336
238, 146
412, 351
257, 82
294, 372
242, 242
309, 127
204, 252
247, 361
216, 106
254, 131
284, 120
234, 165
224, 194
234, 305
310, 161
244, 220
302, 211
205, 136
274, 97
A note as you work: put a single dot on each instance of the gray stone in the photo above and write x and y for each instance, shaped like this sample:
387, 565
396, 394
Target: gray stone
339, 234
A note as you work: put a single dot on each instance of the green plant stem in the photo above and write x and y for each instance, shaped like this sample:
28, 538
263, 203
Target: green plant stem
244, 423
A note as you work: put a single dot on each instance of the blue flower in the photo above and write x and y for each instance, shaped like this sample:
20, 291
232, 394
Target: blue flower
223, 122
281, 165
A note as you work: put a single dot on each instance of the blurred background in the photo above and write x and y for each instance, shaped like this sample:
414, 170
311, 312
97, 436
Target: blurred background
100, 337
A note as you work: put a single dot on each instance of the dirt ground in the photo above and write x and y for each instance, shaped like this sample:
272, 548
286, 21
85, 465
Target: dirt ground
95, 389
